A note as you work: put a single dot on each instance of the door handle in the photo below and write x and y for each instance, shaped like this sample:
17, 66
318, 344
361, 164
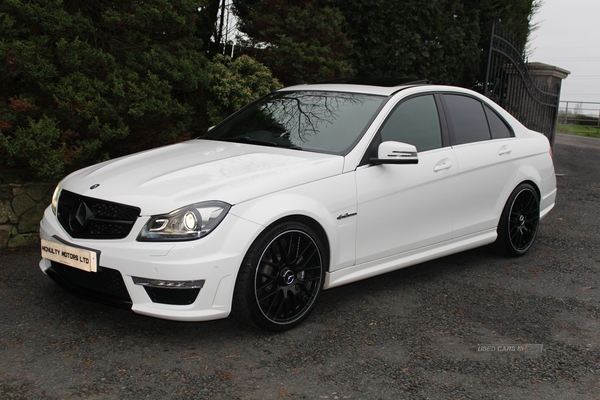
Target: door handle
504, 150
444, 164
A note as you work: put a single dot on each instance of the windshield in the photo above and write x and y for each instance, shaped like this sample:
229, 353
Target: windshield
306, 120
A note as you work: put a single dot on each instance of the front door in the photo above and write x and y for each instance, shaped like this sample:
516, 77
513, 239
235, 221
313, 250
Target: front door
406, 207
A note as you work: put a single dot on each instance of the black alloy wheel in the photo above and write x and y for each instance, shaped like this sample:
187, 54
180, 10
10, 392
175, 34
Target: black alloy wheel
281, 277
519, 222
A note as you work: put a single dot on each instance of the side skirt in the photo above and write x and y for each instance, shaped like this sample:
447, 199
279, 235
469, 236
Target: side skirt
388, 264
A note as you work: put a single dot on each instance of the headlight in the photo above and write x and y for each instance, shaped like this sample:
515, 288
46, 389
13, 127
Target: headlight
187, 223
55, 195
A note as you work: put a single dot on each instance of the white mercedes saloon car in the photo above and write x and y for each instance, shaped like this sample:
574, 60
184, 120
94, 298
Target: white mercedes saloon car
307, 188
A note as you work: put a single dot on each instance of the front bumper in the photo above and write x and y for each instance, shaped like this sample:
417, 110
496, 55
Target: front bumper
213, 260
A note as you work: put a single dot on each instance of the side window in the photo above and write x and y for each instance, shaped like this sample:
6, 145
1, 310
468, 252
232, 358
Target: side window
468, 119
415, 121
497, 125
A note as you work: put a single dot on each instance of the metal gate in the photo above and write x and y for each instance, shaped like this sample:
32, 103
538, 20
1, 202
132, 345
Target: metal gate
510, 83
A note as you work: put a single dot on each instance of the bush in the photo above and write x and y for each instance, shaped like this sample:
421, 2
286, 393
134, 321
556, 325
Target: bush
235, 83
83, 84
84, 81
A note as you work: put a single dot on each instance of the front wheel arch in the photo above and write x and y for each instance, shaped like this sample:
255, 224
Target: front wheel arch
290, 248
319, 230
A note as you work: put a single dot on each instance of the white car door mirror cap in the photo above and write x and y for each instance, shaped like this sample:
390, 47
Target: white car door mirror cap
396, 153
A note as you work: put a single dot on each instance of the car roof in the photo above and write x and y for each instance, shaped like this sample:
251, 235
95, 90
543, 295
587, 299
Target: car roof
377, 87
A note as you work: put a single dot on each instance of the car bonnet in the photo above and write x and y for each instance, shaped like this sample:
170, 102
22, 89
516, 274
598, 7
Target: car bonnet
167, 178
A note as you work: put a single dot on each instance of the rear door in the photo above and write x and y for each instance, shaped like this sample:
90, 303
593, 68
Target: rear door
486, 150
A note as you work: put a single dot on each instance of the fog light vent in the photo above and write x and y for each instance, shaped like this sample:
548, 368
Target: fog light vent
161, 284
179, 293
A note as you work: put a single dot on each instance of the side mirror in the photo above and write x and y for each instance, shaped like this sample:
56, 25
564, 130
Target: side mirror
396, 153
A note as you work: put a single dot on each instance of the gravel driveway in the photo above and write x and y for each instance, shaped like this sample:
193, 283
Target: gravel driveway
473, 325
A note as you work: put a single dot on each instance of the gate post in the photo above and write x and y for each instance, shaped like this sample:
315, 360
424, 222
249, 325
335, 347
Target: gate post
545, 75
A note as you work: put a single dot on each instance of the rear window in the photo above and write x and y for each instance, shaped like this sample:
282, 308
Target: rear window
498, 127
468, 119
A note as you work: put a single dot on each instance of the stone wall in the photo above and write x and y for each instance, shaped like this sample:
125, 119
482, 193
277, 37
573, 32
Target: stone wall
22, 204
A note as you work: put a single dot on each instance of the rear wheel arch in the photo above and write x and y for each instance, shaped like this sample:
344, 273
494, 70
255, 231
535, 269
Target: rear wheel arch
535, 186
519, 221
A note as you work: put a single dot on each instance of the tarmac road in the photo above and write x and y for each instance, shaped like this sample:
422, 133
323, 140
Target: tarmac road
473, 325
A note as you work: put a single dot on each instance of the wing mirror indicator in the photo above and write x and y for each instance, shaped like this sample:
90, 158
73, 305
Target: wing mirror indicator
396, 153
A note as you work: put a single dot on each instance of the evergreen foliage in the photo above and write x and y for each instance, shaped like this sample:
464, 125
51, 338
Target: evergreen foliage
439, 40
82, 81
236, 83
299, 40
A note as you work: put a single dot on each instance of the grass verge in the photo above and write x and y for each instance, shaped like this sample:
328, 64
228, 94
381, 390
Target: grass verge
579, 130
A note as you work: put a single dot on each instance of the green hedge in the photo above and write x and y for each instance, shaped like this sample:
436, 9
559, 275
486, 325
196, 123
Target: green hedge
84, 81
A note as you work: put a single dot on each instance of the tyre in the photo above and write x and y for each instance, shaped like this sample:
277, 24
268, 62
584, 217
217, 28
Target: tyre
519, 221
281, 277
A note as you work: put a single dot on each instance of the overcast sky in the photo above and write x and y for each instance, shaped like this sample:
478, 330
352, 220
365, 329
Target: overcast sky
568, 36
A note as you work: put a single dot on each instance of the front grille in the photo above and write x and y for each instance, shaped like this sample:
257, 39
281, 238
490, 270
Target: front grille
105, 286
88, 218
179, 297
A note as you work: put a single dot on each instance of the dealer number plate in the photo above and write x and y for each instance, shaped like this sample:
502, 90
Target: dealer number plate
75, 257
